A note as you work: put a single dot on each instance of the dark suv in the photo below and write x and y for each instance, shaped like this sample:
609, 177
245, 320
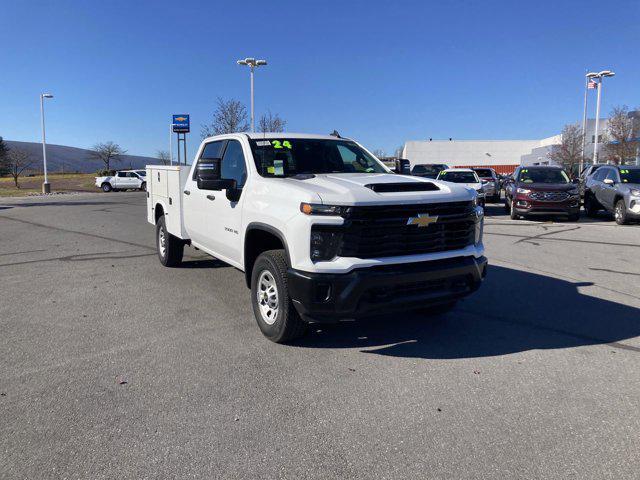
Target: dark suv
428, 171
541, 190
616, 188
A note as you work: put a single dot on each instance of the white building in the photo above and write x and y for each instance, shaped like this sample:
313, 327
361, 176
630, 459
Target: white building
502, 155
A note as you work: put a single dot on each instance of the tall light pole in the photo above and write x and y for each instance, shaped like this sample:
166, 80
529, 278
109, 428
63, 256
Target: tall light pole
600, 76
587, 79
252, 63
46, 188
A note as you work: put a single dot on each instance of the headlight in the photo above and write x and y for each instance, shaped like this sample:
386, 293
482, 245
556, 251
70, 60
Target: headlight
318, 209
635, 192
479, 226
523, 190
325, 242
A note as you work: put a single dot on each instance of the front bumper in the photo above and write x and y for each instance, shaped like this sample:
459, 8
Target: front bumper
326, 297
633, 207
527, 206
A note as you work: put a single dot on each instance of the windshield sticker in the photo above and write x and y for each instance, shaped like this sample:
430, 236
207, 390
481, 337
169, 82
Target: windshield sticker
278, 167
271, 170
263, 143
279, 144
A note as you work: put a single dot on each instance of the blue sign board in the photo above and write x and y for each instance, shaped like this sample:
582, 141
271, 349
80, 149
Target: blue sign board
180, 123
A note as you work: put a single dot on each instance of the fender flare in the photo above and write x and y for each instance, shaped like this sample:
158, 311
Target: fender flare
269, 229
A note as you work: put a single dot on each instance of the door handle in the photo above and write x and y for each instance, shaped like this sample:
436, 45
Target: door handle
211, 197
187, 192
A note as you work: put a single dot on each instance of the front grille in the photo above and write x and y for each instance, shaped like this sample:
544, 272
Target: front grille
382, 231
549, 196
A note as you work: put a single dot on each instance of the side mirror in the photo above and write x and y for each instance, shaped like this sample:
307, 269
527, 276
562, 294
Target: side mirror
608, 181
208, 174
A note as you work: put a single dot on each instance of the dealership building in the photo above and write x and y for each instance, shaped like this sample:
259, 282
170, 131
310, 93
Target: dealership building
502, 155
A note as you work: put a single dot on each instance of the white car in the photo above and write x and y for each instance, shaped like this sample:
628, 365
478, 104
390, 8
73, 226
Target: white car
466, 177
123, 180
322, 230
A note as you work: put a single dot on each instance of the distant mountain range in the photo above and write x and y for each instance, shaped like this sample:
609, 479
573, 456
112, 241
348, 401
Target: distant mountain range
61, 158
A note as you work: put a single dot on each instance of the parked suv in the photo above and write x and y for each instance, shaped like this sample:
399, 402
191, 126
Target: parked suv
428, 171
490, 183
615, 189
541, 190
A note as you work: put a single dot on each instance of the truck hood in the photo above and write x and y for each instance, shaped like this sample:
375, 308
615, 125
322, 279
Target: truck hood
352, 189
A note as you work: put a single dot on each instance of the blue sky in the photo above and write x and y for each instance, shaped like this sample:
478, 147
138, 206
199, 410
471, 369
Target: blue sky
380, 72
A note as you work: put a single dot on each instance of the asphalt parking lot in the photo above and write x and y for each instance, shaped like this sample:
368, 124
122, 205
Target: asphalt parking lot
115, 367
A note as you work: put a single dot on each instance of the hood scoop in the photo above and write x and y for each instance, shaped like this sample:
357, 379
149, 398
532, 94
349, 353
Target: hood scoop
403, 187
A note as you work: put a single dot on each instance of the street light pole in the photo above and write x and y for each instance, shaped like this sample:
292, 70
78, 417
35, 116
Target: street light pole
584, 121
252, 63
600, 76
171, 144
46, 187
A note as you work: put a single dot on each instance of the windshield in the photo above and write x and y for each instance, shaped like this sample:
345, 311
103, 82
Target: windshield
543, 175
484, 172
430, 171
458, 177
284, 157
630, 175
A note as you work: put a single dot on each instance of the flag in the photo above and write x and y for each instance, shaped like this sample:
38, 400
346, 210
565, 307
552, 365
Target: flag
592, 84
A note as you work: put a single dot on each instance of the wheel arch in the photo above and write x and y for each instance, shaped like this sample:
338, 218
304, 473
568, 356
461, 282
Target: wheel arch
260, 237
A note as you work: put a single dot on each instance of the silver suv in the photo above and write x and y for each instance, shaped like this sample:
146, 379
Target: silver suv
615, 188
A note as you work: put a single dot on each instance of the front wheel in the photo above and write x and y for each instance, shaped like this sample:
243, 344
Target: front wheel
143, 187
170, 248
274, 311
512, 212
620, 213
591, 206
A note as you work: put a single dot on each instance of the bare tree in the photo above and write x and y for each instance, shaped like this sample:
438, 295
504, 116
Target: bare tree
620, 142
19, 160
379, 153
271, 123
107, 152
230, 116
569, 152
163, 156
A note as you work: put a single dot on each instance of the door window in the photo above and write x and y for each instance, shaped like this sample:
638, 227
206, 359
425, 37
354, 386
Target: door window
612, 174
233, 164
600, 174
122, 174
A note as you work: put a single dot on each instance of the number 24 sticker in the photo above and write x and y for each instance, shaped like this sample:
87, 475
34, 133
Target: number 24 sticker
279, 144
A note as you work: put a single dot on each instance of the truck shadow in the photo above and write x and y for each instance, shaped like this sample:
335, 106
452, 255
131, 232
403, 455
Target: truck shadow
514, 311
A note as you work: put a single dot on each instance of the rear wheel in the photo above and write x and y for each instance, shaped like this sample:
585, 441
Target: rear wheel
620, 213
170, 248
274, 311
106, 187
143, 187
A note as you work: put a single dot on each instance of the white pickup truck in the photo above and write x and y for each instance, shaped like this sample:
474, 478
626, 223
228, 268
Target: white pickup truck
123, 180
322, 230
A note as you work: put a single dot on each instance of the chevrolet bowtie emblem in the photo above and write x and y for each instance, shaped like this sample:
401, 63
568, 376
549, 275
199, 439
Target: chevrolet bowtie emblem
422, 220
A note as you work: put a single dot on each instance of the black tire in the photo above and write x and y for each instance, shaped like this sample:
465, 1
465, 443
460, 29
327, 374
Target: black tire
270, 269
512, 212
143, 187
591, 205
620, 213
106, 187
171, 254
574, 217
507, 207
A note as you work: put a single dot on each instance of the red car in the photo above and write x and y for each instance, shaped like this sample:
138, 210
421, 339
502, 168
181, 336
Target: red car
542, 190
